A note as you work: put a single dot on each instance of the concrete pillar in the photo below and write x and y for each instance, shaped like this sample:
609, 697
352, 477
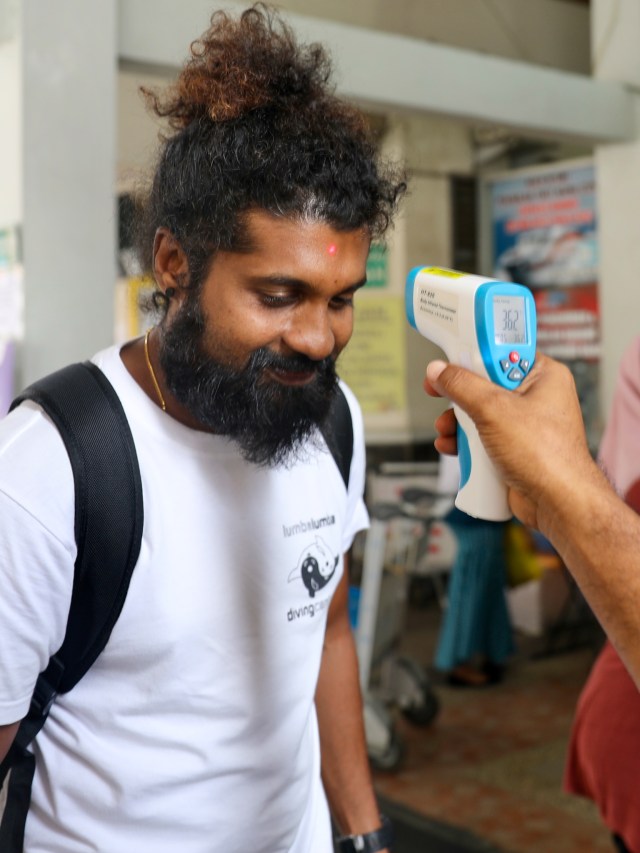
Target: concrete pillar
435, 149
69, 53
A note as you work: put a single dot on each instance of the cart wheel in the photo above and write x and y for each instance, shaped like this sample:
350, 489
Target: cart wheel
416, 699
425, 713
391, 757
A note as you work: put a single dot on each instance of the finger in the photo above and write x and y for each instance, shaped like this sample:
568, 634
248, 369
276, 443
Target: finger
434, 366
461, 386
448, 445
446, 423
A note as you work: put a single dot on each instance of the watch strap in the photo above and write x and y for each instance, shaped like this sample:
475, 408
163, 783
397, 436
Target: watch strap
368, 842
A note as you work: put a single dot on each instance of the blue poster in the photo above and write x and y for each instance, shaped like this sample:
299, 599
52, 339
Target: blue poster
544, 225
544, 236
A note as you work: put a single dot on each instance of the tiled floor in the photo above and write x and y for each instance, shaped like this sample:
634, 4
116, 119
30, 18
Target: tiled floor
492, 761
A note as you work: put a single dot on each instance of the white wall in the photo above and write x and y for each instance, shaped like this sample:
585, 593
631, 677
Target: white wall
9, 19
137, 130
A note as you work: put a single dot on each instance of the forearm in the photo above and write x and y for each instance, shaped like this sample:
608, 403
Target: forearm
598, 538
345, 767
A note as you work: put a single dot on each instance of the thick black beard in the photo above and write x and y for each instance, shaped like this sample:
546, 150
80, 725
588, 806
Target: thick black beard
271, 423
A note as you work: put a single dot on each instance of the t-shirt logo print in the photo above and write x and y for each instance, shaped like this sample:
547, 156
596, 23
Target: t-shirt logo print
316, 566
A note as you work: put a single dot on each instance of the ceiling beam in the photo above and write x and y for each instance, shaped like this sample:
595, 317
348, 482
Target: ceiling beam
382, 71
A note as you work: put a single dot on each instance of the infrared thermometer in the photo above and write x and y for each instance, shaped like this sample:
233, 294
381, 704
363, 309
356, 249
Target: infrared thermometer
489, 327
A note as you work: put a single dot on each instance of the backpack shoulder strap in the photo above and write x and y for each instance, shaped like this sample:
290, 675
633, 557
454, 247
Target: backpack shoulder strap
338, 434
108, 530
108, 510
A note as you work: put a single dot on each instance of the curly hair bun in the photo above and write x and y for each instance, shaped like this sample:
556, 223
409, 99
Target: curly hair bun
244, 64
257, 125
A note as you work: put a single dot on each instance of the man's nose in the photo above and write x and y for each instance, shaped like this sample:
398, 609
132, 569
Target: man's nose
311, 333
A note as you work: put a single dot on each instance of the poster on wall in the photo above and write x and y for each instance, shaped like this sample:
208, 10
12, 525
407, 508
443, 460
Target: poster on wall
374, 363
544, 225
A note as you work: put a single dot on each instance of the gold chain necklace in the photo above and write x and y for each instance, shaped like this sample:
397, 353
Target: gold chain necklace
152, 373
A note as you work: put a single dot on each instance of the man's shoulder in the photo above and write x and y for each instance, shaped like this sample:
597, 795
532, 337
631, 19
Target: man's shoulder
110, 363
26, 431
35, 472
29, 437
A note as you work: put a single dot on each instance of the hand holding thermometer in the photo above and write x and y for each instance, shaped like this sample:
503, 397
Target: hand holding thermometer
488, 327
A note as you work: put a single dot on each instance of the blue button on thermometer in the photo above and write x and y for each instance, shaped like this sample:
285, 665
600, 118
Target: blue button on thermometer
489, 327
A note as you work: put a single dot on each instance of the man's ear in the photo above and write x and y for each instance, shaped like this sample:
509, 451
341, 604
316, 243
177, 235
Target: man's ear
170, 265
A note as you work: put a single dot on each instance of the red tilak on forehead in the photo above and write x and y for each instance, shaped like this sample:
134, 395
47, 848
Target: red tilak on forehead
332, 249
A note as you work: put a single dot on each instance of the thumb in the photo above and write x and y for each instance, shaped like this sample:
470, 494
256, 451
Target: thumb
461, 386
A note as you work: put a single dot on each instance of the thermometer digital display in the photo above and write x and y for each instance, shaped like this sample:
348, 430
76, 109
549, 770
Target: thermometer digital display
509, 320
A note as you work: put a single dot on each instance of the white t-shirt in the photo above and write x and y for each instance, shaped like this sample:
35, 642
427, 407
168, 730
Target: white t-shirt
195, 731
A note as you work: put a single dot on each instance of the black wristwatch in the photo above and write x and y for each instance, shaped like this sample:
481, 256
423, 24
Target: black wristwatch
369, 842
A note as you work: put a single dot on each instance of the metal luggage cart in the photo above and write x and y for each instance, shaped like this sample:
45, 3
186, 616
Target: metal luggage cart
404, 502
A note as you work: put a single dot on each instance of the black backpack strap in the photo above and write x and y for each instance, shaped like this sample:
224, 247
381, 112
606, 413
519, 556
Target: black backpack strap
108, 508
338, 434
108, 523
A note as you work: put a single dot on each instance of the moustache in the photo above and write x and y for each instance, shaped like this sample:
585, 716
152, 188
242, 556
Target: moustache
265, 359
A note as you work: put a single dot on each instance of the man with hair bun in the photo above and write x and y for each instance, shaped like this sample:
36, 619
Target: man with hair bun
224, 713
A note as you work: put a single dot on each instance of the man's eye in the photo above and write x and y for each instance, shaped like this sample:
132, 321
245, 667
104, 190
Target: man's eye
272, 300
342, 302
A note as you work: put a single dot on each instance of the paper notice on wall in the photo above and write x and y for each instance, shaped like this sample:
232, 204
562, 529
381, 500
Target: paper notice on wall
374, 362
